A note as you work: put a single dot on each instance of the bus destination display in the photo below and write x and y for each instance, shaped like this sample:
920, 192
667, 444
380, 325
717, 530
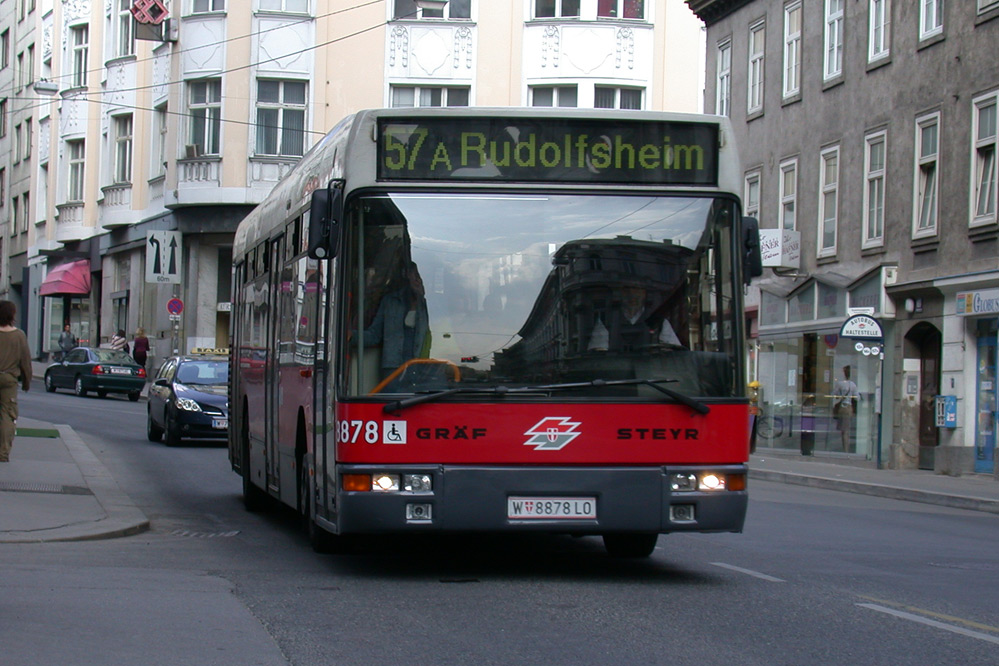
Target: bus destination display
547, 150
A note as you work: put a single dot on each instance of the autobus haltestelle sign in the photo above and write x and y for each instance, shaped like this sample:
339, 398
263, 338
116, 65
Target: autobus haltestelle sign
563, 150
861, 327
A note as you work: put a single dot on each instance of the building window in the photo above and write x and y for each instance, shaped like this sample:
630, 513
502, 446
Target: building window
757, 35
985, 5
556, 8
792, 49
15, 216
16, 152
788, 194
927, 175
984, 133
879, 33
126, 38
5, 49
454, 9
629, 9
563, 96
281, 118
930, 18
833, 60
617, 98
723, 85
19, 74
413, 96
27, 138
26, 210
828, 200
77, 165
3, 117
204, 6
297, 6
874, 193
3, 186
751, 200
206, 116
123, 149
80, 44
160, 141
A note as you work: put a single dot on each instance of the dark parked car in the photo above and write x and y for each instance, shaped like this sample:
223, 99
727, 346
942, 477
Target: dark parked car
104, 371
189, 398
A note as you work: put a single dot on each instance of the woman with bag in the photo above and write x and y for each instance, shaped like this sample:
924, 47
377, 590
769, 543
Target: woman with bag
140, 347
15, 368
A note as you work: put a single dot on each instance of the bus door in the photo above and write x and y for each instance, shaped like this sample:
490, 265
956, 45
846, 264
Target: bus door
271, 384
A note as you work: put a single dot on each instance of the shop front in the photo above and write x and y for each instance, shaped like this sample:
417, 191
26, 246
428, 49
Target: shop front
980, 311
820, 391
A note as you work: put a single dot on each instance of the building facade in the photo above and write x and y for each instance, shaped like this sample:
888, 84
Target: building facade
155, 132
868, 136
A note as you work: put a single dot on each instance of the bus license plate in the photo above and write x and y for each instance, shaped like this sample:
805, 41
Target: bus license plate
220, 424
551, 508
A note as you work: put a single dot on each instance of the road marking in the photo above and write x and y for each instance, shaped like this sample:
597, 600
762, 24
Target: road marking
932, 623
748, 572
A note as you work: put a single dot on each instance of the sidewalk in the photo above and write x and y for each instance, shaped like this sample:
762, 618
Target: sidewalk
55, 489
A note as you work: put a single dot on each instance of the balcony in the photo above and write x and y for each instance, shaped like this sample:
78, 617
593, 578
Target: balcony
116, 208
71, 225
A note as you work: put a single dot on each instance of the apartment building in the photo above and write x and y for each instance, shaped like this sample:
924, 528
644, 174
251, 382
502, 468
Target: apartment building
868, 137
157, 130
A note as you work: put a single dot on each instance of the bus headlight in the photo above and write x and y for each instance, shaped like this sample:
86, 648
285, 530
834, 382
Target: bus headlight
680, 482
417, 483
385, 483
711, 482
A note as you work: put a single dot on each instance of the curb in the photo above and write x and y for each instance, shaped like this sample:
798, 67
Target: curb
891, 492
122, 517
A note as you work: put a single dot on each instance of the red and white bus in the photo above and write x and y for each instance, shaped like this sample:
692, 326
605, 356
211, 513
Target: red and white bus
498, 320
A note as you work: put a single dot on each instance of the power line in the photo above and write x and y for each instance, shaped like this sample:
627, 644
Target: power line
101, 69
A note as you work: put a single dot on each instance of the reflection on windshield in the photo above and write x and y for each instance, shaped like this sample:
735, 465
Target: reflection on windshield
209, 373
515, 290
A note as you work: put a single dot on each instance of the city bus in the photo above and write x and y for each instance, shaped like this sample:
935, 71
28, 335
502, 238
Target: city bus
475, 320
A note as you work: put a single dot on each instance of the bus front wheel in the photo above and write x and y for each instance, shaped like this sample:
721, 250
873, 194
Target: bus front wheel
632, 544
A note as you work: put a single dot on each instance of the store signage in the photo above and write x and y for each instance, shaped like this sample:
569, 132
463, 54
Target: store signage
861, 327
978, 302
780, 248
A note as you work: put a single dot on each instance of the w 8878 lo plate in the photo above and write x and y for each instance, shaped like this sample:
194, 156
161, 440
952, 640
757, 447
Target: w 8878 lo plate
551, 508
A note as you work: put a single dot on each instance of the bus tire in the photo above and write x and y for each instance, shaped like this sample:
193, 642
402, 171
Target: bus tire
630, 544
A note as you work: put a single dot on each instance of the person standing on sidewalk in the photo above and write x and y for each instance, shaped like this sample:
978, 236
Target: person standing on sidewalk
67, 341
846, 395
15, 367
140, 347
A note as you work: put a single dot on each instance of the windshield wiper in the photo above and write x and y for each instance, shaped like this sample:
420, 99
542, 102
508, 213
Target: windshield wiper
695, 405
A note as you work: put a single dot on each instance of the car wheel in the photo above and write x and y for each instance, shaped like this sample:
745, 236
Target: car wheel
79, 388
134, 396
49, 383
102, 394
154, 433
172, 431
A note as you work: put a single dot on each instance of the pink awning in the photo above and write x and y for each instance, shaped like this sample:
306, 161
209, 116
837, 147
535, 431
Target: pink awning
72, 279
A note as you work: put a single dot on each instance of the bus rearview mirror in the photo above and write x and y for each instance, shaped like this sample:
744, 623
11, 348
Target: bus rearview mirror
325, 213
753, 259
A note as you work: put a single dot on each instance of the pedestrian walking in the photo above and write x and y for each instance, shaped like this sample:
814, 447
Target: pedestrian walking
118, 341
845, 405
140, 347
67, 341
15, 367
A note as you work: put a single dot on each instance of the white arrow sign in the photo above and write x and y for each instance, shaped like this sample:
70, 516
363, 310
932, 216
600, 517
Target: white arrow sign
163, 257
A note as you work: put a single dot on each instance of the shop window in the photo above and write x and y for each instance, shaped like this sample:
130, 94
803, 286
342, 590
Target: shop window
831, 302
801, 306
773, 309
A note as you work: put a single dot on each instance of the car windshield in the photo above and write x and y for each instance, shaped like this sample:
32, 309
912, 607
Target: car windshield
113, 356
207, 373
516, 290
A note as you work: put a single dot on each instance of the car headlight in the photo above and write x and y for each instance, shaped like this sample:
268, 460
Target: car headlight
188, 404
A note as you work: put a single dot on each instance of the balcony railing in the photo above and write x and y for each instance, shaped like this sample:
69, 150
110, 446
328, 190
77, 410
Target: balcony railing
116, 208
200, 171
71, 226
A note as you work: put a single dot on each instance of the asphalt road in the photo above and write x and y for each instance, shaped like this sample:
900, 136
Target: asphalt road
818, 577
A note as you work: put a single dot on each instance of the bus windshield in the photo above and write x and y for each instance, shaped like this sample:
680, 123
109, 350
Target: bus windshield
467, 290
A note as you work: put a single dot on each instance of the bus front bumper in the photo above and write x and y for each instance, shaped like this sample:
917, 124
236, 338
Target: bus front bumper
591, 500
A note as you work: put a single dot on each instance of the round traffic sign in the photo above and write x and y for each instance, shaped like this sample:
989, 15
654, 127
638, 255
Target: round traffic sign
175, 306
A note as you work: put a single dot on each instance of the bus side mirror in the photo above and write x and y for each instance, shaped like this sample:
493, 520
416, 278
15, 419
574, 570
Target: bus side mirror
325, 213
752, 259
